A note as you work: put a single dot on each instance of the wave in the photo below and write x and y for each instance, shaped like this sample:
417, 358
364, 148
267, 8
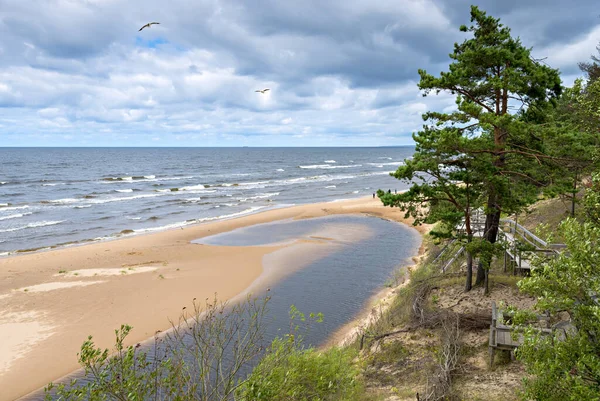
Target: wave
330, 161
14, 207
3, 204
188, 177
134, 218
4, 182
82, 206
385, 157
126, 198
142, 178
53, 185
399, 163
330, 186
376, 173
124, 190
60, 201
32, 225
280, 169
192, 187
259, 196
328, 166
14, 216
110, 179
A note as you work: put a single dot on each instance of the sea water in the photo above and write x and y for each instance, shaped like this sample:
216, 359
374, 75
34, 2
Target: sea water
53, 197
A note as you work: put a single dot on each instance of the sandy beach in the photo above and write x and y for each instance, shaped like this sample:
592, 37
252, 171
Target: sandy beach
51, 301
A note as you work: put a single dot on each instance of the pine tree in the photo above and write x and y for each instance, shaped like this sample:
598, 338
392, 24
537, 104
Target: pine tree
495, 80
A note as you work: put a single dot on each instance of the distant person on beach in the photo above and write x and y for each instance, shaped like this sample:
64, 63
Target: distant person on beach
373, 195
395, 191
389, 191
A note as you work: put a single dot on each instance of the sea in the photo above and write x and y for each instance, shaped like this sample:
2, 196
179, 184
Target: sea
57, 197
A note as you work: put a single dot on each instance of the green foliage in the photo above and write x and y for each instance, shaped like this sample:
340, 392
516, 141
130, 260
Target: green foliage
592, 201
566, 366
129, 375
288, 372
488, 152
202, 358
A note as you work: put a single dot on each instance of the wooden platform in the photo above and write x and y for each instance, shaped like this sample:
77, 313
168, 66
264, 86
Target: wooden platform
503, 337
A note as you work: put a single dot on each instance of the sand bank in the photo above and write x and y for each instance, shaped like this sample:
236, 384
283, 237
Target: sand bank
143, 281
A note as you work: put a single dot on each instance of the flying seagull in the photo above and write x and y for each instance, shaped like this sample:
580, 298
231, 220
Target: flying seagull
148, 25
263, 91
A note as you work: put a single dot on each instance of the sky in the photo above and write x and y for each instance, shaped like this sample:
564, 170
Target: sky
340, 72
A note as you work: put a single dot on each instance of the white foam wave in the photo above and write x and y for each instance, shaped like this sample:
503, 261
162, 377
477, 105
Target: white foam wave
127, 198
144, 178
134, 218
201, 191
14, 216
280, 169
377, 173
330, 161
259, 196
82, 206
254, 183
4, 254
124, 190
328, 166
189, 177
3, 182
385, 157
65, 201
3, 204
399, 163
192, 187
32, 225
330, 186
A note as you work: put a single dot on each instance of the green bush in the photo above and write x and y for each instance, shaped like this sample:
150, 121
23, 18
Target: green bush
288, 372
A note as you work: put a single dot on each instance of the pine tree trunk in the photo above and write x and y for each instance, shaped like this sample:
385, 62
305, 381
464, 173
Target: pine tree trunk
486, 285
480, 274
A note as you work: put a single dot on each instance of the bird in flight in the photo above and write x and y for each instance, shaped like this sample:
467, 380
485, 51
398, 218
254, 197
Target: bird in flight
148, 25
263, 91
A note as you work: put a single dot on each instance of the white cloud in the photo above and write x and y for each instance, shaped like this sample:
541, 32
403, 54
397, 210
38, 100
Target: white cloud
340, 72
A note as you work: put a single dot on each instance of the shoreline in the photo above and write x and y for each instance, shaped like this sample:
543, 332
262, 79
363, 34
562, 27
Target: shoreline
377, 304
143, 280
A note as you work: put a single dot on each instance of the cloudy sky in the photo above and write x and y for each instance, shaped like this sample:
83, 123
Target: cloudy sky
341, 72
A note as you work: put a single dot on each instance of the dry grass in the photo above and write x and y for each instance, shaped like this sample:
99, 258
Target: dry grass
414, 347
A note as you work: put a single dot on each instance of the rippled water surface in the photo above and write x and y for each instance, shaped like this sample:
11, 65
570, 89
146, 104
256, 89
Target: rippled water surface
53, 196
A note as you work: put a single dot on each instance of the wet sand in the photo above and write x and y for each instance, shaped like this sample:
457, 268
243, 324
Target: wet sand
51, 301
